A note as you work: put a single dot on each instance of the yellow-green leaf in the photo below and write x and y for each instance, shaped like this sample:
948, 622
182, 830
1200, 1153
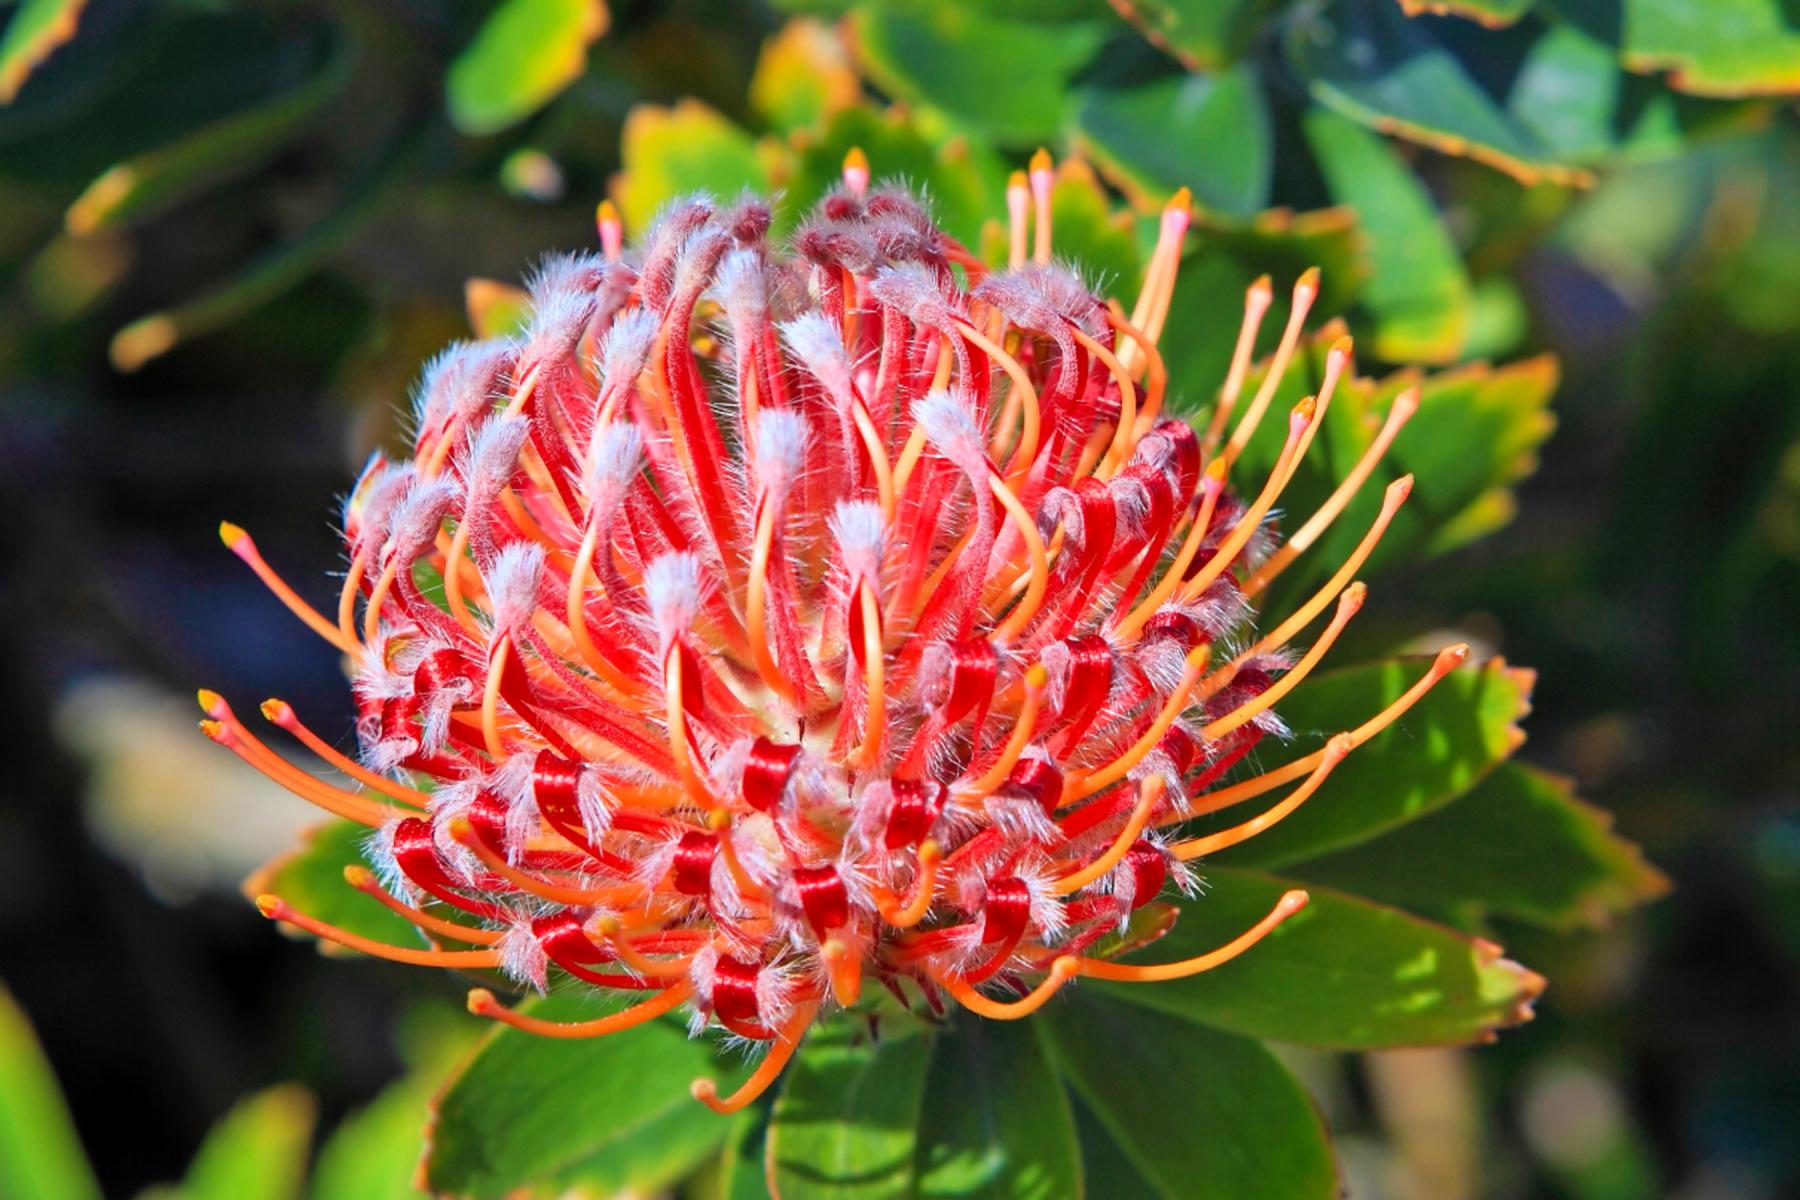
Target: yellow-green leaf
258, 1151
37, 28
803, 77
667, 152
522, 57
40, 1154
846, 1125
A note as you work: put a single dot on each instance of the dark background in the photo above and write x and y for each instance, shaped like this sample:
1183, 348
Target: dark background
1651, 576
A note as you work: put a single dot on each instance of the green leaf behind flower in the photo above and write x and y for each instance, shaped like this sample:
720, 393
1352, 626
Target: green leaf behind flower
40, 1153
1343, 972
524, 54
257, 1151
311, 878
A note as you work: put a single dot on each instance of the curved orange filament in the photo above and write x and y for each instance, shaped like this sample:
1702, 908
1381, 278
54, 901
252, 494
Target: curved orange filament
1148, 794
1349, 604
1156, 375
1404, 406
239, 543
931, 855
1447, 661
1028, 605
281, 713
1333, 754
1062, 970
463, 833
756, 603
878, 459
1022, 392
1396, 495
845, 970
1037, 677
453, 577
1125, 433
787, 1040
579, 578
1105, 777
1251, 519
483, 1004
364, 881
1134, 622
1306, 290
609, 928
277, 909
1290, 903
673, 688
875, 678
346, 614
490, 699
384, 583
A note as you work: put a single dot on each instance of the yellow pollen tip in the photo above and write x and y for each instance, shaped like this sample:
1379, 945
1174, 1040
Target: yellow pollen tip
1306, 408
461, 830
607, 213
481, 1001
703, 1090
718, 820
1262, 288
232, 535
1308, 281
1292, 902
1181, 201
359, 878
856, 160
1037, 677
1454, 656
1016, 182
1216, 470
1040, 161
1401, 488
1344, 346
269, 905
606, 926
274, 710
210, 701
213, 729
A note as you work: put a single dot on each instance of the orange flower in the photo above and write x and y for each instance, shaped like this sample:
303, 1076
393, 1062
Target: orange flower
854, 613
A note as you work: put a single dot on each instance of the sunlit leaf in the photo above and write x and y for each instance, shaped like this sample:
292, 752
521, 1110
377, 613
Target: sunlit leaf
40, 1154
1418, 292
997, 1123
607, 1114
36, 29
1207, 132
524, 54
1443, 746
1197, 1112
1343, 972
257, 1152
1519, 845
1492, 13
846, 1125
1009, 79
1708, 47
803, 77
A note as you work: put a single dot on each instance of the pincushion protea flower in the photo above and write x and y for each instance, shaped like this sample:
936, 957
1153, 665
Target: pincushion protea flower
855, 613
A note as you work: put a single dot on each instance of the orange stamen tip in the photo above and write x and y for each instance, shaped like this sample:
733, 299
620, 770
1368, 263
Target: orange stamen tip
856, 160
1037, 678
277, 711
481, 1001
1339, 747
704, 1090
1401, 488
607, 213
718, 820
1181, 201
1067, 966
1016, 182
1199, 656
1408, 401
1353, 596
461, 829
271, 906
214, 730
1308, 281
1344, 346
360, 878
232, 535
1306, 408
1293, 901
1040, 162
606, 926
1216, 470
211, 703
1454, 656
1261, 288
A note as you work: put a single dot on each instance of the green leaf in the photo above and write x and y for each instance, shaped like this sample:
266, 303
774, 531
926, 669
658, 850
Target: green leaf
40, 1154
1202, 34
1449, 741
257, 1152
846, 1125
1208, 132
37, 28
1710, 47
1519, 845
1539, 101
608, 1113
311, 878
373, 1154
667, 152
524, 54
1007, 79
803, 77
1419, 292
495, 310
997, 1124
1343, 972
1196, 1111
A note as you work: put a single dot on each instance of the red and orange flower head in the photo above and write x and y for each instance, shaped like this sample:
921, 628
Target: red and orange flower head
808, 618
